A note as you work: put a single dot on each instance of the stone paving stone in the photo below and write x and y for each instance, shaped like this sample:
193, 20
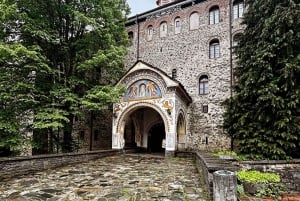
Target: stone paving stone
128, 177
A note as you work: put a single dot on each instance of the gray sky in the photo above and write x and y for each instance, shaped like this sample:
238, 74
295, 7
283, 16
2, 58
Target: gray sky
140, 6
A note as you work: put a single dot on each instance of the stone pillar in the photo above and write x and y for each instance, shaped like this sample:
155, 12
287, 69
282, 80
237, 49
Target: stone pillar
224, 186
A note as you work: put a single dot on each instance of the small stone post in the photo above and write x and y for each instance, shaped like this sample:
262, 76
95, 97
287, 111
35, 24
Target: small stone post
224, 186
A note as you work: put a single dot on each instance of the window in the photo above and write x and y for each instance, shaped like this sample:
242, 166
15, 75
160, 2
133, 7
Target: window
203, 85
163, 29
214, 49
130, 37
177, 25
194, 21
205, 108
214, 15
238, 9
174, 74
150, 32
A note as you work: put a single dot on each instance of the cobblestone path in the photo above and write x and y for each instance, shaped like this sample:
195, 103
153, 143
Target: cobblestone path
128, 177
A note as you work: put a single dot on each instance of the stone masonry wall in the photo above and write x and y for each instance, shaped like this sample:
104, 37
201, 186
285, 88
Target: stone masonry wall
188, 53
288, 170
12, 167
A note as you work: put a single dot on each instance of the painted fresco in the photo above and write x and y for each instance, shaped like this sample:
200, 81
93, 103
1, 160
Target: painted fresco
142, 89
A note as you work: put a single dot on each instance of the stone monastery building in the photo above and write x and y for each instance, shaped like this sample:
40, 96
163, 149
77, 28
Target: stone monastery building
180, 70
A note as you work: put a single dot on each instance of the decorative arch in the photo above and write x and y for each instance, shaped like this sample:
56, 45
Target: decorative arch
181, 124
181, 130
146, 75
130, 109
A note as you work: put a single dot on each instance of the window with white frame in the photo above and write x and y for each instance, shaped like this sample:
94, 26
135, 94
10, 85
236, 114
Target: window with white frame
203, 85
150, 32
214, 15
214, 49
163, 29
238, 9
177, 25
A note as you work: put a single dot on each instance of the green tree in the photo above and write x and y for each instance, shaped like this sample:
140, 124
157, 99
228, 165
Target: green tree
17, 93
83, 43
264, 112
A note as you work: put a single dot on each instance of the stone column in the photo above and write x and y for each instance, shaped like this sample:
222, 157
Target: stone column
224, 186
170, 145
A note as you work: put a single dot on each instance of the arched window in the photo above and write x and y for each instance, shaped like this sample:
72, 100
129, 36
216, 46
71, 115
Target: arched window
181, 135
130, 37
238, 9
214, 49
177, 25
163, 29
150, 32
203, 85
236, 39
214, 15
194, 21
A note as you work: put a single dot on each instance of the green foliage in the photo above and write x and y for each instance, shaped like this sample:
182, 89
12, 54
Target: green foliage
240, 189
254, 176
244, 157
224, 152
58, 59
273, 190
272, 186
264, 113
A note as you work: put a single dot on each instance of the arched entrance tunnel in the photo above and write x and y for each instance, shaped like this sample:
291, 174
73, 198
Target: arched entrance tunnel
145, 129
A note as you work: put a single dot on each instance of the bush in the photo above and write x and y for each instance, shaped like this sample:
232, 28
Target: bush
260, 183
225, 152
254, 176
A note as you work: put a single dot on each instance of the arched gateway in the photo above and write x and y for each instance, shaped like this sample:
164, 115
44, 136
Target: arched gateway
152, 112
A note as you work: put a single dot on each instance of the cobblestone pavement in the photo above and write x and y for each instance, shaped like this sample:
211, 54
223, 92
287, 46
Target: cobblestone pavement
128, 177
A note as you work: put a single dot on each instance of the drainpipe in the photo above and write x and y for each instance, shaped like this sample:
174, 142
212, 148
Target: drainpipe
230, 49
138, 39
230, 58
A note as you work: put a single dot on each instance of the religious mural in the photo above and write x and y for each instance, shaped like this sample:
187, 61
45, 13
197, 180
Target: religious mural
142, 89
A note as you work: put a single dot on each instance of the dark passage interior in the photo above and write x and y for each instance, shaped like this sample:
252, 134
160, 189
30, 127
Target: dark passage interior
155, 138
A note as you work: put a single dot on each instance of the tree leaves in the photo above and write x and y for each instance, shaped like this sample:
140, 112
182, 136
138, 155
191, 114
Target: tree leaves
58, 59
264, 112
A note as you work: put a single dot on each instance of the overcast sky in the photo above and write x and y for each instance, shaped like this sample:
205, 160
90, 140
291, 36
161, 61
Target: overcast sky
140, 6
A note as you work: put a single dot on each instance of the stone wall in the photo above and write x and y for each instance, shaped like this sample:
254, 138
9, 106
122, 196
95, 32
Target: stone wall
94, 128
288, 170
12, 167
187, 51
209, 165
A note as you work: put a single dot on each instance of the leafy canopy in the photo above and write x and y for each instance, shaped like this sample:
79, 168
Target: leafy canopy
59, 58
264, 113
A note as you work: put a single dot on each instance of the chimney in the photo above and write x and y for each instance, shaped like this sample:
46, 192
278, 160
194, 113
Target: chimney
163, 2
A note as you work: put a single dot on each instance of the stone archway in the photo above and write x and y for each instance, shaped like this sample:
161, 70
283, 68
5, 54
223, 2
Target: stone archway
150, 96
143, 127
181, 132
